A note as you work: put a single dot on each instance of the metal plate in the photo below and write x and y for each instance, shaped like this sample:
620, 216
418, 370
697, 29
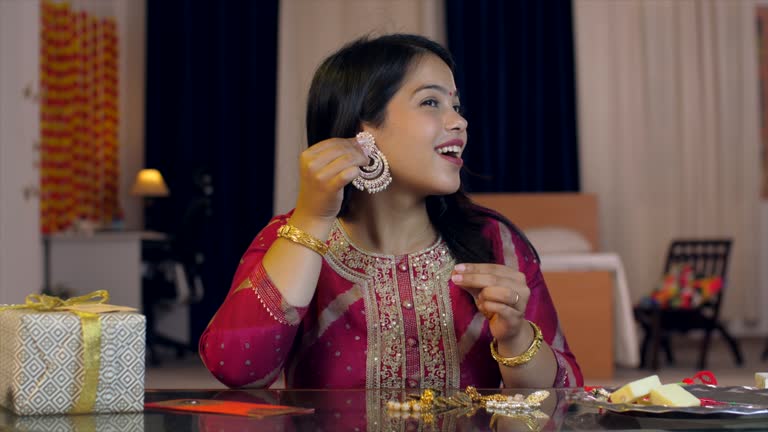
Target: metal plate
738, 401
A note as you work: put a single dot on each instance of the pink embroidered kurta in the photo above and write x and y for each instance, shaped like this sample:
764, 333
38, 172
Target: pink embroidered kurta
376, 321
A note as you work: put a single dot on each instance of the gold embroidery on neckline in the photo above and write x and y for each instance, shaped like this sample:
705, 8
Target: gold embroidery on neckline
376, 274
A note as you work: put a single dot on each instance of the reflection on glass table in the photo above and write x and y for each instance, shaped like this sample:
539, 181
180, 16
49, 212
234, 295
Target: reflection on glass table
367, 410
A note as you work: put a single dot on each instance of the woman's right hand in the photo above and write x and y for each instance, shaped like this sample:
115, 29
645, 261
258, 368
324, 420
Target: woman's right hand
325, 168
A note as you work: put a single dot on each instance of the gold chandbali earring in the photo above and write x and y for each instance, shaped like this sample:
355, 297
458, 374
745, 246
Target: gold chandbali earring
374, 177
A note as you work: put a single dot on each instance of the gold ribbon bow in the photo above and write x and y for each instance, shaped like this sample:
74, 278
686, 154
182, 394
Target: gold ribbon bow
91, 328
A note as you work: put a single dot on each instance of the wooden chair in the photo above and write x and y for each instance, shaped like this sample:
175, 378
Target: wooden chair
707, 257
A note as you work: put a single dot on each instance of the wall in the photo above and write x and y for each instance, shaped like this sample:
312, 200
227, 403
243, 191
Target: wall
131, 25
21, 253
20, 246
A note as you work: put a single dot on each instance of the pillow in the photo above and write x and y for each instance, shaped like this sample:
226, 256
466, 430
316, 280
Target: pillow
682, 288
556, 239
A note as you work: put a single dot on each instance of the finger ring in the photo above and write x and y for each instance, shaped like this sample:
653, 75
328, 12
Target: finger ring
517, 298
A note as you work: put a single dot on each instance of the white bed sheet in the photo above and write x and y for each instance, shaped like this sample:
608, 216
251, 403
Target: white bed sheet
625, 341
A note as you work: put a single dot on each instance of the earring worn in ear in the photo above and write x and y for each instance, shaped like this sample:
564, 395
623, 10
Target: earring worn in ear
375, 177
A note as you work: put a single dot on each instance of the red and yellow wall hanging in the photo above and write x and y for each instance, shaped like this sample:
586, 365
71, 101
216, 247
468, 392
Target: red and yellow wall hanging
79, 118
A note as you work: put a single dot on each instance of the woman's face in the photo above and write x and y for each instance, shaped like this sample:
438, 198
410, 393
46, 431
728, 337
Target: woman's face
423, 135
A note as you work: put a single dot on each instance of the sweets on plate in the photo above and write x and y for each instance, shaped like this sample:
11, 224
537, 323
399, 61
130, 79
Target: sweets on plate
650, 391
761, 380
673, 395
635, 390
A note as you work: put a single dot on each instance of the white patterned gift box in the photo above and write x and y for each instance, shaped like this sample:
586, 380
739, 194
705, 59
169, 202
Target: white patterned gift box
43, 363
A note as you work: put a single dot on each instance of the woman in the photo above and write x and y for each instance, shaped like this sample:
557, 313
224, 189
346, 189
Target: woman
385, 275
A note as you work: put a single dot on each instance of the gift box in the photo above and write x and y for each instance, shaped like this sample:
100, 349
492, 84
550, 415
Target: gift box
71, 357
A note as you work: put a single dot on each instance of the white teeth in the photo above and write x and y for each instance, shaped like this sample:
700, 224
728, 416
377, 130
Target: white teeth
449, 149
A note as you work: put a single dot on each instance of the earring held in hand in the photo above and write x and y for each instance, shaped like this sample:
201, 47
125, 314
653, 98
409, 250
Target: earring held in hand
375, 177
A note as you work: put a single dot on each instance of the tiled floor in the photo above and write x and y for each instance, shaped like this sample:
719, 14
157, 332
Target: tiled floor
189, 372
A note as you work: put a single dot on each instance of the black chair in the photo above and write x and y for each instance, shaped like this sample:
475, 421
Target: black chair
706, 257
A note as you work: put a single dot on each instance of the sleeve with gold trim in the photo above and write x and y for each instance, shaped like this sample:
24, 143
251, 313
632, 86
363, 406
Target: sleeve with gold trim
248, 340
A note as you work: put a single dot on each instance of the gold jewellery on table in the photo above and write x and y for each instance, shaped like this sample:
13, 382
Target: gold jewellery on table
429, 404
430, 401
524, 357
290, 232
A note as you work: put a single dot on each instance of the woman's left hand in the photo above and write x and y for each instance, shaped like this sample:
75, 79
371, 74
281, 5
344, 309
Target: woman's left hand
500, 293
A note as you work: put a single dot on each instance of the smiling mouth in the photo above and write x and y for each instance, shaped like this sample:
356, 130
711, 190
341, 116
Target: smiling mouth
450, 151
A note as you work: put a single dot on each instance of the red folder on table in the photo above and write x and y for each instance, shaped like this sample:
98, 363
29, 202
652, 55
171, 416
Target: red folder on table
226, 407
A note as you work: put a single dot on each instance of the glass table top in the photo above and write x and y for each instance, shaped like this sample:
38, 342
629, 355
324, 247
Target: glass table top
366, 410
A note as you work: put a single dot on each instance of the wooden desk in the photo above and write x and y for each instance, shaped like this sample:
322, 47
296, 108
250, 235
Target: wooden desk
625, 343
584, 302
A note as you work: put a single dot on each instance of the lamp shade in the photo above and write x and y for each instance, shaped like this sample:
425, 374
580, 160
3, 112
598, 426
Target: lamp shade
149, 183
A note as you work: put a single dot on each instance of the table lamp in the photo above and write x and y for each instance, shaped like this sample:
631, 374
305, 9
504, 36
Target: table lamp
149, 184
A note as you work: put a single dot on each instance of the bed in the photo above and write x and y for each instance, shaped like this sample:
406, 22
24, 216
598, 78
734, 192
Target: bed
588, 286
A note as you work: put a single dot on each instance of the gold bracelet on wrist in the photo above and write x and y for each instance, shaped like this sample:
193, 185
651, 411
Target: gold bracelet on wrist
290, 232
524, 357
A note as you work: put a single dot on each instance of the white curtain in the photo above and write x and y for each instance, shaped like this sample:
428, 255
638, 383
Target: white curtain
668, 124
310, 30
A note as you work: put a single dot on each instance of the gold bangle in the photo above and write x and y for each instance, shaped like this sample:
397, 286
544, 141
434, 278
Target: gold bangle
290, 232
524, 357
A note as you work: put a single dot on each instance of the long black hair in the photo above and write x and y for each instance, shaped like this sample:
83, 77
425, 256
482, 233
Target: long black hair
353, 86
